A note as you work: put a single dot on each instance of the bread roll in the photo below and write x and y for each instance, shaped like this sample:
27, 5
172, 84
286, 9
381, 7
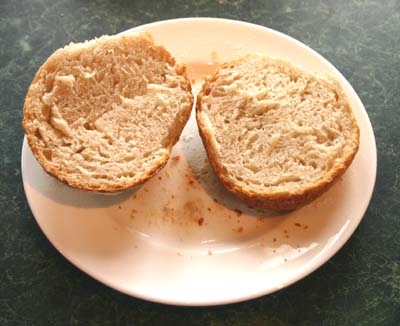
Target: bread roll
276, 135
103, 115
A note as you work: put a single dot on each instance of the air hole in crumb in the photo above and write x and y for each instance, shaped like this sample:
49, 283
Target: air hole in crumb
80, 149
49, 83
87, 126
47, 154
253, 168
38, 134
104, 155
108, 139
46, 112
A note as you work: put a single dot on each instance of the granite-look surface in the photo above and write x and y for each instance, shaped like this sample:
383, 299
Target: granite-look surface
359, 286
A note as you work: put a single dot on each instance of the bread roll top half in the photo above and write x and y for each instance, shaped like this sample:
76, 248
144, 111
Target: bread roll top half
103, 115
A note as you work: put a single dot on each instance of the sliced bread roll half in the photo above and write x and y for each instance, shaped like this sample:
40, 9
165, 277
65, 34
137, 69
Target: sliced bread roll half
103, 115
276, 136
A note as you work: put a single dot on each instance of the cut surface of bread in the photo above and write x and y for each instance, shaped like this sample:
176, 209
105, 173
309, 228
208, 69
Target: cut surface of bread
103, 115
276, 135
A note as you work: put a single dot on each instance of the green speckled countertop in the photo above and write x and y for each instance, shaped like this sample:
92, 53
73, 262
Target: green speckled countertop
360, 285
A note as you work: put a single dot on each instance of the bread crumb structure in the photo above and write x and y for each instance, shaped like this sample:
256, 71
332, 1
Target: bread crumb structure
103, 115
276, 135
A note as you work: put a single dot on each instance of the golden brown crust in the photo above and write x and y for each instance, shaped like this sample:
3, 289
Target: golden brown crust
279, 201
102, 188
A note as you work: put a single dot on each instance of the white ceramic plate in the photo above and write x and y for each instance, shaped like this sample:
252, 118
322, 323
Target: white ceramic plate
181, 238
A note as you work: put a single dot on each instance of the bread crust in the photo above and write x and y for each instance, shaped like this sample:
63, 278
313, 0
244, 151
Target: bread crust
283, 200
104, 188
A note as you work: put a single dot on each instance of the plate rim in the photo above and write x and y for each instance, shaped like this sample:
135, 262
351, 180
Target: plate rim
305, 271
